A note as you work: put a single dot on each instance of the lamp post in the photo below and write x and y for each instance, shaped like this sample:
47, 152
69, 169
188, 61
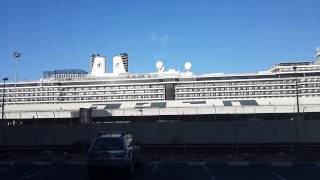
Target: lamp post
298, 111
16, 56
3, 93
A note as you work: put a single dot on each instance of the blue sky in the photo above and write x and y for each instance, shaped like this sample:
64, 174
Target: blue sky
216, 36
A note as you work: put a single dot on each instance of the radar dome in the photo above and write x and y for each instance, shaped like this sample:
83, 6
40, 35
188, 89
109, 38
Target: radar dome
188, 66
159, 65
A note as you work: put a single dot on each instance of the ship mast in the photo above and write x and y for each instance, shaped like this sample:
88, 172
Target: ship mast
318, 56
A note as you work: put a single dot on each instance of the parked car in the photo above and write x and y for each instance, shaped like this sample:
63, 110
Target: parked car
112, 150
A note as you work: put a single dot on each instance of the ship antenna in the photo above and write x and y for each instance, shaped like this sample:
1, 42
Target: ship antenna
318, 55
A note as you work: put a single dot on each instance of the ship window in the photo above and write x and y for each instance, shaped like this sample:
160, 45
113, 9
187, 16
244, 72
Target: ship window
195, 102
158, 104
227, 103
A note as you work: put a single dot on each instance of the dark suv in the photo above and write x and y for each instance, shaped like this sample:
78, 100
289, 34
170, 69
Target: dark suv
112, 150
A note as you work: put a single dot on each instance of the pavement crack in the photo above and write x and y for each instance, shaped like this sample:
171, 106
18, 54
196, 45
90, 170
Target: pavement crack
278, 176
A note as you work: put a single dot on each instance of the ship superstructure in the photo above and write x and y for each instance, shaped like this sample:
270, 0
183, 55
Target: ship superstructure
61, 93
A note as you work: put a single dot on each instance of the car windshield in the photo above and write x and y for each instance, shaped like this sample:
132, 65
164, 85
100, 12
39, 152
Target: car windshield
107, 144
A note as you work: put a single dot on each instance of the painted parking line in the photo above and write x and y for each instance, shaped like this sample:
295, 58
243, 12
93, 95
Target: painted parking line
238, 163
6, 168
278, 176
6, 165
209, 173
37, 173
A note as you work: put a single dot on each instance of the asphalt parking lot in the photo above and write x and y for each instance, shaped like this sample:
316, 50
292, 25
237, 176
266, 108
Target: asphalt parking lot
158, 170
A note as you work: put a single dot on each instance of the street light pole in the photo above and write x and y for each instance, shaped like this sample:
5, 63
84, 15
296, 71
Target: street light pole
16, 55
3, 93
298, 111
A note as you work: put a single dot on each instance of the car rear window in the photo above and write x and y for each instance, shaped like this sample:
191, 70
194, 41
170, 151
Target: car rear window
107, 144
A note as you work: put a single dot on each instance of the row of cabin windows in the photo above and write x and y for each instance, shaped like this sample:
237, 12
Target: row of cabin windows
271, 82
135, 97
236, 88
80, 88
252, 93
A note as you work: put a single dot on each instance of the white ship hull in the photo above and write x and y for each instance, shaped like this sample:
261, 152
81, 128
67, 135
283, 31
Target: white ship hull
60, 94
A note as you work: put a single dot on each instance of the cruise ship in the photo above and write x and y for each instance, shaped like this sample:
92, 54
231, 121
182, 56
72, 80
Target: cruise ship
282, 92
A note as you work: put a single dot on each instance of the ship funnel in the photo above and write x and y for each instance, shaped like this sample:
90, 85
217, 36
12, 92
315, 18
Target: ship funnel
318, 55
98, 65
120, 63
